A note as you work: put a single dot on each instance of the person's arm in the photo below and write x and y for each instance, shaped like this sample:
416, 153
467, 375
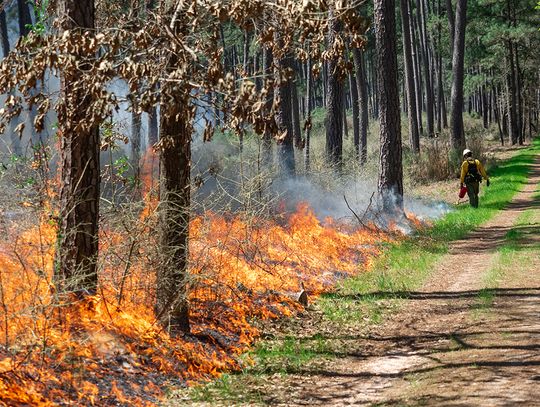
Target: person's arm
464, 170
482, 170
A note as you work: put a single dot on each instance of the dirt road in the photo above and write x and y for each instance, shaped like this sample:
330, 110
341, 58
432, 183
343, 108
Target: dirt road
469, 337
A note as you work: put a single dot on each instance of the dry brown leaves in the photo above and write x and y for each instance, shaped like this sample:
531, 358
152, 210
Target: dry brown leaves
174, 49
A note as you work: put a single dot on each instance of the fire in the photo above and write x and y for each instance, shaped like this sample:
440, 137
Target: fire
108, 347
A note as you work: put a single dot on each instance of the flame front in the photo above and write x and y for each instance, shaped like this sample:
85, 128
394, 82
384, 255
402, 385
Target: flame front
109, 348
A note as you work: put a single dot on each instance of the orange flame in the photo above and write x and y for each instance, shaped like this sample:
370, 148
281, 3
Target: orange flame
241, 269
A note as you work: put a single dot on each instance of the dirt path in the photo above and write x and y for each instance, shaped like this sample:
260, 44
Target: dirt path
454, 343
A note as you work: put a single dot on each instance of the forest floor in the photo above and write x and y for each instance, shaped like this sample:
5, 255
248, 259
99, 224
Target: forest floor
469, 336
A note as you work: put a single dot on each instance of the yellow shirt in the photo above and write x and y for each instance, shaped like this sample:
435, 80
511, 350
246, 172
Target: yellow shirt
465, 169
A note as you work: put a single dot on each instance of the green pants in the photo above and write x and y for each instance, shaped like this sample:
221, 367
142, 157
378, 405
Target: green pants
473, 188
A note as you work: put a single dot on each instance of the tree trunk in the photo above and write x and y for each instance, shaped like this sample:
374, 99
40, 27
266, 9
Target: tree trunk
520, 112
353, 88
4, 39
153, 130
295, 110
451, 24
390, 184
266, 154
245, 59
375, 88
25, 19
77, 247
414, 135
309, 107
485, 108
334, 106
511, 95
363, 118
171, 291
344, 110
284, 117
456, 118
424, 46
417, 71
324, 83
136, 124
424, 56
497, 115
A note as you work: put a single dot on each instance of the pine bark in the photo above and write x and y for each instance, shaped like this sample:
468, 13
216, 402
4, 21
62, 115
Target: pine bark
457, 134
309, 108
77, 248
285, 150
136, 127
334, 106
424, 54
353, 88
451, 24
267, 154
4, 39
295, 111
153, 130
414, 134
519, 99
417, 70
390, 184
25, 19
175, 161
363, 117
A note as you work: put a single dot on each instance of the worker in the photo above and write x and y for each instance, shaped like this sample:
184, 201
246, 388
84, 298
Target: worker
472, 172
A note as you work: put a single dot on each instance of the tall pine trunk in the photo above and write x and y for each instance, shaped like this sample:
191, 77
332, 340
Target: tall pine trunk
390, 184
4, 39
451, 24
424, 54
153, 130
417, 71
309, 108
284, 116
267, 154
136, 125
457, 134
172, 308
295, 110
363, 117
353, 89
414, 134
334, 106
77, 246
513, 128
25, 19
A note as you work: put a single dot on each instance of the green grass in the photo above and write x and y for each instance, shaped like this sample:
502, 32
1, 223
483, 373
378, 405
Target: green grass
289, 354
224, 389
271, 357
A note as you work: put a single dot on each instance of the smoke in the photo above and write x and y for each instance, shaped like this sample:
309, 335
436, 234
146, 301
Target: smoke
348, 199
427, 210
327, 201
226, 179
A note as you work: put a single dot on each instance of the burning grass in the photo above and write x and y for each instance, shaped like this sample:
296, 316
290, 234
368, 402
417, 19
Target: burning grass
108, 348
